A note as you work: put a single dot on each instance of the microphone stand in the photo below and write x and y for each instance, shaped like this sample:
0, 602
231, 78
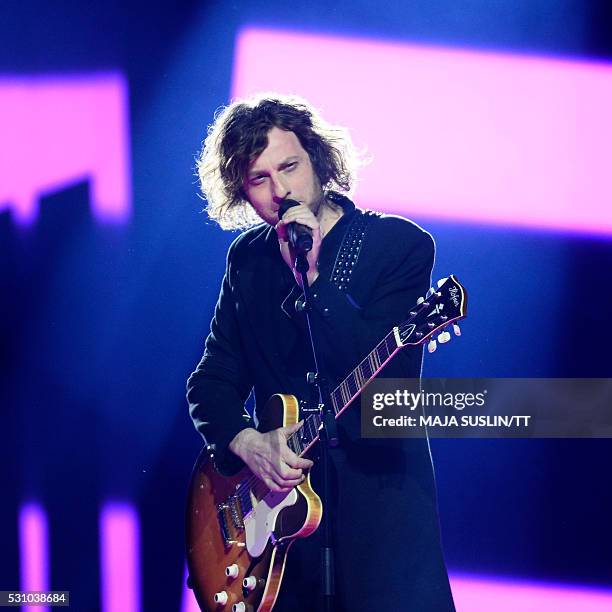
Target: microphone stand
328, 435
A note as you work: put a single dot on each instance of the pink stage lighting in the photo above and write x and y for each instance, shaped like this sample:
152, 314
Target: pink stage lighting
58, 131
120, 558
34, 551
189, 603
477, 594
476, 136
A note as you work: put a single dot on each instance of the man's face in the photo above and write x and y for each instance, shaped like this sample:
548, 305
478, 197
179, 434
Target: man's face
282, 170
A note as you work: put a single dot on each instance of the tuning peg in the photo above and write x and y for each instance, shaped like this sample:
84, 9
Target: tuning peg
420, 300
456, 329
430, 292
431, 346
444, 337
441, 282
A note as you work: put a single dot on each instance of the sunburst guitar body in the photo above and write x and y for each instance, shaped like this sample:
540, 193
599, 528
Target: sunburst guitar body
239, 532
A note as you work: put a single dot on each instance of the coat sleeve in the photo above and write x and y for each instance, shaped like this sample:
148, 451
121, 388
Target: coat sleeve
221, 383
399, 260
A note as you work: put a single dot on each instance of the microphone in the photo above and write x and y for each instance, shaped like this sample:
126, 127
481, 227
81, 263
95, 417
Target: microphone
300, 236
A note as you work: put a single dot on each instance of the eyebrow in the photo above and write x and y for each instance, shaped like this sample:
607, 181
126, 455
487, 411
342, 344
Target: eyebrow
288, 160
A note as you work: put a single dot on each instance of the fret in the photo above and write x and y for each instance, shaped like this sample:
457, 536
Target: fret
358, 376
350, 387
300, 444
310, 429
335, 402
390, 344
292, 443
343, 393
382, 351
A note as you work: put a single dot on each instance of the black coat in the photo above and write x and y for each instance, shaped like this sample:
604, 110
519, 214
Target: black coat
386, 527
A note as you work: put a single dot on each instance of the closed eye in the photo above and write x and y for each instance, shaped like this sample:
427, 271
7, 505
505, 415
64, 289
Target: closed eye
257, 180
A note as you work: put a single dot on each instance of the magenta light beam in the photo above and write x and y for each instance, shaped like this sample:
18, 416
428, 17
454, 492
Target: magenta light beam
189, 603
455, 134
120, 558
60, 130
34, 551
479, 594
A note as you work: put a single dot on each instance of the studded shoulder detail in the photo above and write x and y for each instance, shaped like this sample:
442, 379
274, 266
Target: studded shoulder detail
349, 251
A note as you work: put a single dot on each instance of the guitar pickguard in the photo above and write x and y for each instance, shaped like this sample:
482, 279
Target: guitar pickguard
260, 523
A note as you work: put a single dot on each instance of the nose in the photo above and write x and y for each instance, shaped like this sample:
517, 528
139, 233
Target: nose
280, 188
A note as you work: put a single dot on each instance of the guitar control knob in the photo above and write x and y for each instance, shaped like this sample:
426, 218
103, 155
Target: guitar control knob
249, 583
231, 571
431, 346
220, 598
239, 607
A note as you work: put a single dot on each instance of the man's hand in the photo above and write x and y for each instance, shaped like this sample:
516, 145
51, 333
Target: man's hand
303, 215
269, 457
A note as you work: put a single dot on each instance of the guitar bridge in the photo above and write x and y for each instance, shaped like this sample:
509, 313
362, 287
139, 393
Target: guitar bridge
236, 513
230, 514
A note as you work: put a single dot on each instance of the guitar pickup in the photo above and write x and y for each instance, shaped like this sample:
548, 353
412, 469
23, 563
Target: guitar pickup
222, 520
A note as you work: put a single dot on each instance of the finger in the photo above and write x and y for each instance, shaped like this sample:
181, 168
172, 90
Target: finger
281, 232
281, 470
304, 217
282, 485
273, 486
298, 463
295, 461
287, 473
291, 429
308, 221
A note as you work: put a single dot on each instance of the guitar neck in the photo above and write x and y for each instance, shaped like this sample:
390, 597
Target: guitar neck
439, 309
349, 389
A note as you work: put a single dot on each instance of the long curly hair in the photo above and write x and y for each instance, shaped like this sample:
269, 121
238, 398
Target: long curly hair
239, 134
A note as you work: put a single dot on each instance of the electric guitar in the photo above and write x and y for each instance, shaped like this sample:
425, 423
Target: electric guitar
238, 532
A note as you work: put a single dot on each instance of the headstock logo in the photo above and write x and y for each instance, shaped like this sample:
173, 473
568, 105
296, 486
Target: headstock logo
407, 331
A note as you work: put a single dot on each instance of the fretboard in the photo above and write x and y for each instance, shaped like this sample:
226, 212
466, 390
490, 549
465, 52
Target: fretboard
344, 394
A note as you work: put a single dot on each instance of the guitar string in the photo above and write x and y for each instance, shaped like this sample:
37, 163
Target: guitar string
252, 480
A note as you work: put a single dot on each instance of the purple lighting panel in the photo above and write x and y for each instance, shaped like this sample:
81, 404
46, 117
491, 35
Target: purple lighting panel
476, 136
120, 558
57, 131
477, 594
34, 549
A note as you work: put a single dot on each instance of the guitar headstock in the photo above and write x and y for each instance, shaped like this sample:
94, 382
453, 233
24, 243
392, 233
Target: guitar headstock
441, 307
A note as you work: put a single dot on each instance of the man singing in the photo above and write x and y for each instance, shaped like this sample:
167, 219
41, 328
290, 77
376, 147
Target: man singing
366, 270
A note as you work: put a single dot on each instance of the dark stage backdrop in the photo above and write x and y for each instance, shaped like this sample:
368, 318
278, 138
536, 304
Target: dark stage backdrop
109, 274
